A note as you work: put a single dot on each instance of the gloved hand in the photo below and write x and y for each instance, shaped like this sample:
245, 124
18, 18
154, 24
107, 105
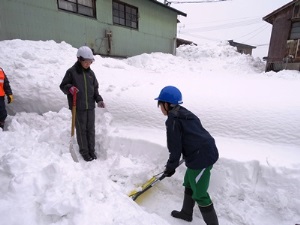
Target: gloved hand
101, 104
73, 90
169, 172
10, 98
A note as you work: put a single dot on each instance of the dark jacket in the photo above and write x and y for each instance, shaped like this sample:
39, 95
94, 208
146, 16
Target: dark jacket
186, 136
87, 84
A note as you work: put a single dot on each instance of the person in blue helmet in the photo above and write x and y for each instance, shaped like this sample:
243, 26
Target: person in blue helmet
186, 137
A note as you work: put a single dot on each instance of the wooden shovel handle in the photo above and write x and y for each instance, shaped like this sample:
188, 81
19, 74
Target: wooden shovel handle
73, 114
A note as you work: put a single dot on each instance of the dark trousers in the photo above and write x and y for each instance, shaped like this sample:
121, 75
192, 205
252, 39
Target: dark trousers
85, 131
3, 112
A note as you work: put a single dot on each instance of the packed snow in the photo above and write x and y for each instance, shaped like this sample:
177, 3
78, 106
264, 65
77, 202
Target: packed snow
254, 117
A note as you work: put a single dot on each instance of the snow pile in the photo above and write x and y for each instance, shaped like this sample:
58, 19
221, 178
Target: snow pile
223, 56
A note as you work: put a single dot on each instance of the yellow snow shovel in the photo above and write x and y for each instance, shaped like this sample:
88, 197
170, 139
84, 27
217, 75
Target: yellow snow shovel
134, 194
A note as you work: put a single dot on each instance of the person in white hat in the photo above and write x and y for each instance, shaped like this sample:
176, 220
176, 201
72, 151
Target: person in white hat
80, 79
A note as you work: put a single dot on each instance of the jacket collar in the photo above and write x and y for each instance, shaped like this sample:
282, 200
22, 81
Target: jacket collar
79, 67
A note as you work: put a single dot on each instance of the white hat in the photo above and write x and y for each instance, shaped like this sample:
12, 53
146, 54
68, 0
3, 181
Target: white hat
85, 52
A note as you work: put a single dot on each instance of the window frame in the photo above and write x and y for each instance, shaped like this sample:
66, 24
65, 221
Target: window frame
77, 7
125, 15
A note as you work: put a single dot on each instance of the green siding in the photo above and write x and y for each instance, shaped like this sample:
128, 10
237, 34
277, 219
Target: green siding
42, 20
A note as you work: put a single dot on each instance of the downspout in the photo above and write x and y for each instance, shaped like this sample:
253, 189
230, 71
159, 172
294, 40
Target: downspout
109, 35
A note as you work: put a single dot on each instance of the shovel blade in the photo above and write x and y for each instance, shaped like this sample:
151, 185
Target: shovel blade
72, 151
138, 191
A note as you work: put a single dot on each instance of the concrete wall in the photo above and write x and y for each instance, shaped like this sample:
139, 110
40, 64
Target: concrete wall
42, 20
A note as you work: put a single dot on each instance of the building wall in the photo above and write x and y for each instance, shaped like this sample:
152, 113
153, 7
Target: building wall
157, 30
41, 20
280, 35
246, 51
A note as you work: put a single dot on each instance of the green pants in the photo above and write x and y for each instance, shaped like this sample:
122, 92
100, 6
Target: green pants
198, 181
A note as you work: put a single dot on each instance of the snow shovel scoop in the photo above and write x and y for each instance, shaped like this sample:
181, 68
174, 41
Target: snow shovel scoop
134, 194
72, 151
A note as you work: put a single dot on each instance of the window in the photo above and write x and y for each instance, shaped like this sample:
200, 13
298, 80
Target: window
125, 15
82, 7
293, 48
296, 11
295, 31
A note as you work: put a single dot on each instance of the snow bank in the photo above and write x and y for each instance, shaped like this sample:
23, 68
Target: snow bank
253, 116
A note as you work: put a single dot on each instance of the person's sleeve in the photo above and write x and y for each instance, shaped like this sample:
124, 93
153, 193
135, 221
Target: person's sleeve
97, 96
6, 86
174, 142
66, 83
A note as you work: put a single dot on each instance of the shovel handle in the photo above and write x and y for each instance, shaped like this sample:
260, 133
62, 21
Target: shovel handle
73, 114
74, 98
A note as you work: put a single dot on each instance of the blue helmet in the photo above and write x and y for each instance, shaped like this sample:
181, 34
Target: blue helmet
171, 95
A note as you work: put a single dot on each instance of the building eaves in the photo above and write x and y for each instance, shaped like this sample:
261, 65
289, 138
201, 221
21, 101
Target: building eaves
236, 44
269, 18
168, 7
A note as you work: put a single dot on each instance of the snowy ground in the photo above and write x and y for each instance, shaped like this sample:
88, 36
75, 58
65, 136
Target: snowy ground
254, 117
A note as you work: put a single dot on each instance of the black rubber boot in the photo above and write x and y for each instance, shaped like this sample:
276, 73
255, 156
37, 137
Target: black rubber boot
209, 215
87, 157
2, 125
93, 155
186, 212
